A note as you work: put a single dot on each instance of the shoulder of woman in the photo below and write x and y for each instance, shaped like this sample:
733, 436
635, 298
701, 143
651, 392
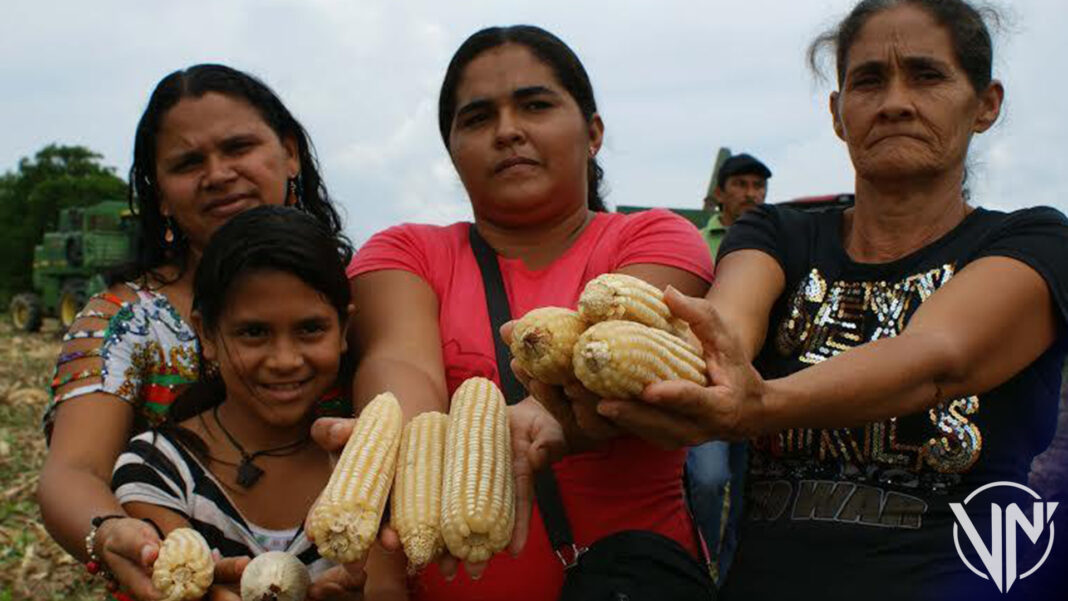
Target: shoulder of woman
415, 234
1041, 215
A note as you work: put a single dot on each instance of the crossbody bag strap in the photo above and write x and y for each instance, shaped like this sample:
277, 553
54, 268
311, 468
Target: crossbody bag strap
546, 491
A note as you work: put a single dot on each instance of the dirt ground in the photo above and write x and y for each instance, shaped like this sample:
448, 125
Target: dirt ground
31, 565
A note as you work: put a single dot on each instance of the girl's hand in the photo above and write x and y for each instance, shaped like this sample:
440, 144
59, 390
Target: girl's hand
227, 583
678, 413
336, 584
128, 547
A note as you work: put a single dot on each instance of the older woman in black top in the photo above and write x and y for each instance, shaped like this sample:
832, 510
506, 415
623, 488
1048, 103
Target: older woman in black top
889, 359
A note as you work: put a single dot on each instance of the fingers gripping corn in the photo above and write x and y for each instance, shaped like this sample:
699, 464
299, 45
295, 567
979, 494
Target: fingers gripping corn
416, 501
275, 576
542, 342
345, 520
619, 296
184, 568
618, 359
478, 503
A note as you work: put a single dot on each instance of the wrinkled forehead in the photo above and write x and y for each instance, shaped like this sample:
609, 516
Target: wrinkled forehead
902, 32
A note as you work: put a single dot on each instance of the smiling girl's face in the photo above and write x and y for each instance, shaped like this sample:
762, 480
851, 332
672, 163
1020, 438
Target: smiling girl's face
278, 345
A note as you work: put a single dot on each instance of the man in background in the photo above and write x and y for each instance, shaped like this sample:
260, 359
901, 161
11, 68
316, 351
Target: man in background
741, 184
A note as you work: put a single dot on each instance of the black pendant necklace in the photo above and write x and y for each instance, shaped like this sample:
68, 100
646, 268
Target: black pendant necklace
249, 473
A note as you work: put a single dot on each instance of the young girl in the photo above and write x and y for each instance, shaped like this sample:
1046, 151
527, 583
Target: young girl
234, 459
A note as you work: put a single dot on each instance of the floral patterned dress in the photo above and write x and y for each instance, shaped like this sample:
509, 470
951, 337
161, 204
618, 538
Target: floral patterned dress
148, 355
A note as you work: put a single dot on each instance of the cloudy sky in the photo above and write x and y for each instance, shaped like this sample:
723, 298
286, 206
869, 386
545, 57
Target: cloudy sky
675, 80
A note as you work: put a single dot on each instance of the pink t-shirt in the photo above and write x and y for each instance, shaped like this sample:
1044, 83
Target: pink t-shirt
629, 484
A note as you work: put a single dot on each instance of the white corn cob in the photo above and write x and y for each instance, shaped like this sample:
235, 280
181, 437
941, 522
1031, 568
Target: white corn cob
618, 359
275, 576
184, 568
477, 499
416, 500
620, 296
345, 520
542, 341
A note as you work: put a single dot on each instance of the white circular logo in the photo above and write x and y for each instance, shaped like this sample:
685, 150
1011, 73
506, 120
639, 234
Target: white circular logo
999, 558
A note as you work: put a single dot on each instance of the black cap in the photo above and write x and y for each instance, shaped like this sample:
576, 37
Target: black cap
741, 164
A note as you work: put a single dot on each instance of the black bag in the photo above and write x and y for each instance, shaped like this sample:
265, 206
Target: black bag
632, 565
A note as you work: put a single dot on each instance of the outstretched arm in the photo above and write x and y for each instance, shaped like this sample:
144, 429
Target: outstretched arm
397, 341
88, 433
961, 341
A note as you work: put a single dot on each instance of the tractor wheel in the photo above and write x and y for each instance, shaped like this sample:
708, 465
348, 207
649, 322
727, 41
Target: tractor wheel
71, 300
26, 312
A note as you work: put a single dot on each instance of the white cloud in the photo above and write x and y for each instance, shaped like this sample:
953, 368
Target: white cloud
674, 79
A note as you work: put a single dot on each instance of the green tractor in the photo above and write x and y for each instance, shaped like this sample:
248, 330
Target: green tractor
68, 264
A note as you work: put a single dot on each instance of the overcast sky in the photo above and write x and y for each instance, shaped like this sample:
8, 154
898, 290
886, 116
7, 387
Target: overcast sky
674, 80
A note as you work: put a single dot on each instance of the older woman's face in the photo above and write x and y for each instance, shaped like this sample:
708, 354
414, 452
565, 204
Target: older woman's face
906, 108
519, 141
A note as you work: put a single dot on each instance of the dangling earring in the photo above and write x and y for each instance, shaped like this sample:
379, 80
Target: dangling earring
168, 230
293, 192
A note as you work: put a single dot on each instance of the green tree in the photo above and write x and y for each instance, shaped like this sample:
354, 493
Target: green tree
56, 177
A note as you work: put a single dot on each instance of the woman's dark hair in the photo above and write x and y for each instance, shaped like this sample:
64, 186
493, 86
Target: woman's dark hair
265, 239
966, 24
549, 49
271, 239
195, 82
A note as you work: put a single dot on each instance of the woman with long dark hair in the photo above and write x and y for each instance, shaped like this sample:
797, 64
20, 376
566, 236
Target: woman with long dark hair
887, 360
518, 117
212, 143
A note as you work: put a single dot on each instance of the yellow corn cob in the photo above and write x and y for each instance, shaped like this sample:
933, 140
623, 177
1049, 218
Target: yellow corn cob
477, 499
184, 568
619, 296
416, 501
618, 359
344, 522
542, 341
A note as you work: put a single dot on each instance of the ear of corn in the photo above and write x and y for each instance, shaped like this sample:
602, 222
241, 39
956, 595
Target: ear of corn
478, 501
618, 359
416, 500
542, 341
184, 568
345, 520
620, 296
275, 576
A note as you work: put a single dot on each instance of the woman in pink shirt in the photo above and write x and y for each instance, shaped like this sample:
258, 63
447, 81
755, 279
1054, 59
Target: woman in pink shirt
518, 117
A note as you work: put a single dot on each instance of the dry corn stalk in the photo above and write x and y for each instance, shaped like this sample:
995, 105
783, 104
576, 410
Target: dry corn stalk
344, 522
618, 359
184, 568
477, 499
416, 500
620, 296
542, 341
275, 576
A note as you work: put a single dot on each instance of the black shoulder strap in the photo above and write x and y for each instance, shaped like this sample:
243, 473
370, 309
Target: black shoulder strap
545, 489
